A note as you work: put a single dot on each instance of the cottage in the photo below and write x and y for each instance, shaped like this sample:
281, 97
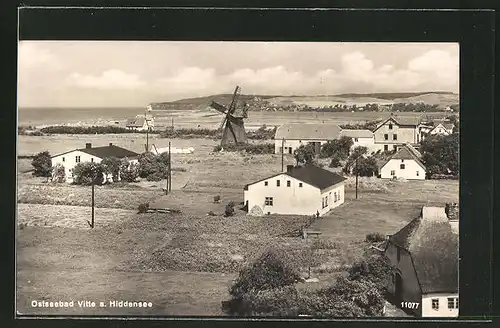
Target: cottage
300, 190
360, 138
395, 131
71, 158
424, 257
289, 137
140, 123
405, 163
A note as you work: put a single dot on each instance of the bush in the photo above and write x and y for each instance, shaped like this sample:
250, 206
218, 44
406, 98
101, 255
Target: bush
42, 164
112, 166
374, 268
338, 147
58, 173
86, 173
129, 172
153, 167
257, 149
217, 199
229, 209
143, 208
335, 162
263, 133
269, 271
190, 133
375, 237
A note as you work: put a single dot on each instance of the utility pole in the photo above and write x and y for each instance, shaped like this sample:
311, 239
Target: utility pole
172, 123
91, 224
282, 154
169, 168
357, 177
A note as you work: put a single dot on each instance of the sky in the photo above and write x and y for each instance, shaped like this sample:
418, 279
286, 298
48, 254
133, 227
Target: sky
136, 73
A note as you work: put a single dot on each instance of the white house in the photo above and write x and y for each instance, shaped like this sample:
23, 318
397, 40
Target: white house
71, 158
424, 257
405, 163
303, 190
360, 138
140, 123
289, 137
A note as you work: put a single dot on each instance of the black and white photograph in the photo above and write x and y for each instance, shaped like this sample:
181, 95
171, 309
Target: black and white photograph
238, 179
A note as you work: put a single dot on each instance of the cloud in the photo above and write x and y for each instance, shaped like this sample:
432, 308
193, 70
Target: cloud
110, 79
33, 55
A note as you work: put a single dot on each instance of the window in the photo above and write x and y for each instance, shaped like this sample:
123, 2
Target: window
386, 136
288, 183
63, 159
395, 147
92, 160
452, 303
386, 147
393, 172
435, 303
390, 126
417, 173
355, 139
266, 183
326, 201
77, 159
289, 150
395, 137
402, 166
402, 161
269, 201
300, 184
277, 183
335, 196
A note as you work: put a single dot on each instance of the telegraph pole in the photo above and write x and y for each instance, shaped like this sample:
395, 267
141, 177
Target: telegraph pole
357, 177
282, 153
169, 168
91, 224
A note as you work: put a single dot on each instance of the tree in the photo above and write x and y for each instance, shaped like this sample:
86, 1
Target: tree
58, 173
153, 167
112, 166
129, 172
86, 173
440, 154
455, 121
366, 167
357, 153
42, 164
229, 209
304, 154
337, 147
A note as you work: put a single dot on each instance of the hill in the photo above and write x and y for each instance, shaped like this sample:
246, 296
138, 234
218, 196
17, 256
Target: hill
296, 102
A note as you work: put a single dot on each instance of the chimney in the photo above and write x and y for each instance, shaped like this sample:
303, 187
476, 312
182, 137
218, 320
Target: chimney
110, 144
289, 168
88, 145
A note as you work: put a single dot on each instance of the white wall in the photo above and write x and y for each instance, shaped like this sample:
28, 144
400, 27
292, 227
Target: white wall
443, 311
409, 172
365, 142
440, 130
303, 200
329, 194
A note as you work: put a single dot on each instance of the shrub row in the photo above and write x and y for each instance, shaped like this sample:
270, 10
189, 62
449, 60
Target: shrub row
109, 129
267, 148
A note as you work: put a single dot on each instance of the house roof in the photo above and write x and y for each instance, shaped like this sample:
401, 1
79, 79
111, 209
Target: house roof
401, 121
310, 174
135, 122
407, 153
448, 126
106, 151
300, 131
434, 250
356, 133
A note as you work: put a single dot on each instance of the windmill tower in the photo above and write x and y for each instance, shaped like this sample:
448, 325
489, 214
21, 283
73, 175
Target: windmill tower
233, 129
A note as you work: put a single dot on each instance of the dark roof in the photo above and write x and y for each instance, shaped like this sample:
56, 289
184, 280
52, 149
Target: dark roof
309, 174
305, 131
434, 251
315, 176
406, 153
109, 151
136, 122
105, 151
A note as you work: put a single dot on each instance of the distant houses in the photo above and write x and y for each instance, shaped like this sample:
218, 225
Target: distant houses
424, 257
140, 123
71, 158
405, 163
442, 129
303, 190
289, 137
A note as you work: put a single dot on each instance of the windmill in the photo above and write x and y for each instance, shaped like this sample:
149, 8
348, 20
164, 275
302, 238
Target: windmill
233, 129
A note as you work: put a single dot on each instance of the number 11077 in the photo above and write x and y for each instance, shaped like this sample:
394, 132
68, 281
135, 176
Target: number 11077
410, 305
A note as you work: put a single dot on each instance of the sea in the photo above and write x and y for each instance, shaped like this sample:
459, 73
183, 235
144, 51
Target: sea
46, 115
